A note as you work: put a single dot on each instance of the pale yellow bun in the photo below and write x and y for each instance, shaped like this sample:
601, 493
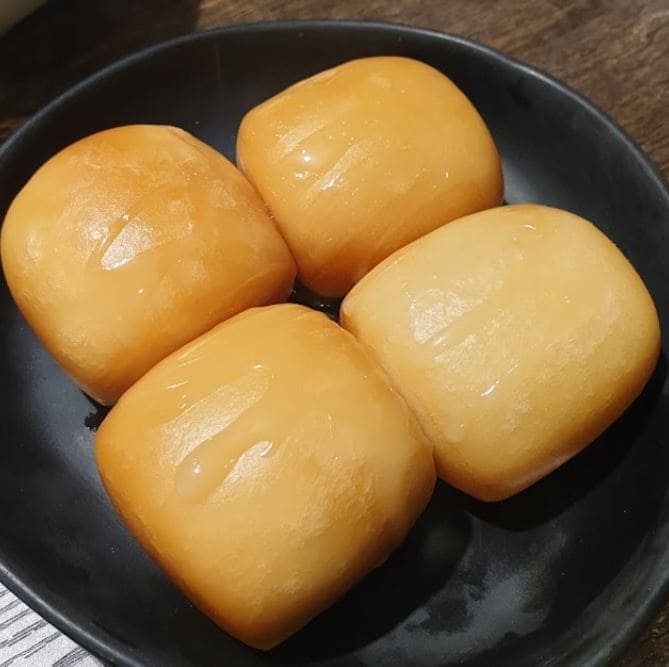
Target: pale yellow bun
361, 159
131, 242
267, 466
517, 335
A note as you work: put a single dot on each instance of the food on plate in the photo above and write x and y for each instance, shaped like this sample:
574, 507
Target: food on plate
363, 158
130, 243
266, 466
517, 335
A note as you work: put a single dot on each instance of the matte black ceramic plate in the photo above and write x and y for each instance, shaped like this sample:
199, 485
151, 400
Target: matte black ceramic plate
564, 574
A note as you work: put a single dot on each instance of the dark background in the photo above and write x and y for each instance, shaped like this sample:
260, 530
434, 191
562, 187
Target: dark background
615, 52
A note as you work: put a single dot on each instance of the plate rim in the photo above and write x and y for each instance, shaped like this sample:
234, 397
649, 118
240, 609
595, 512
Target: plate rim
102, 643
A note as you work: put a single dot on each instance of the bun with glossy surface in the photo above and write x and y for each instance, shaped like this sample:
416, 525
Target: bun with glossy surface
363, 158
130, 243
517, 335
267, 467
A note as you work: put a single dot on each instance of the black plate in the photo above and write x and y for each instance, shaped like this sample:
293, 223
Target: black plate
564, 574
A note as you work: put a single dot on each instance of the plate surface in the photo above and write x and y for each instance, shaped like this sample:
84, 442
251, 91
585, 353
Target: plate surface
565, 573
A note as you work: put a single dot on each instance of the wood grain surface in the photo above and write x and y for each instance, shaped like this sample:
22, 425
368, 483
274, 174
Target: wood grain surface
616, 52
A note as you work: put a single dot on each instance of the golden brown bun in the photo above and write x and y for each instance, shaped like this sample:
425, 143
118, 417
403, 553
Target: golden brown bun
267, 467
363, 158
517, 335
132, 242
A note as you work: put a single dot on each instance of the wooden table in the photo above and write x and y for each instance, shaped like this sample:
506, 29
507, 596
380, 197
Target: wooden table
615, 52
